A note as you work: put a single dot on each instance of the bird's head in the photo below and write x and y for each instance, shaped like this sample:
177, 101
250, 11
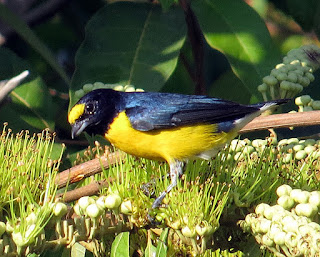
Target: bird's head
94, 112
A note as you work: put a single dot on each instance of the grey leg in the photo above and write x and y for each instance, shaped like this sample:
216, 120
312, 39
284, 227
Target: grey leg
176, 170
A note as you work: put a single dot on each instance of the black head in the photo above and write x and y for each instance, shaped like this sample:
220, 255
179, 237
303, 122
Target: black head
95, 111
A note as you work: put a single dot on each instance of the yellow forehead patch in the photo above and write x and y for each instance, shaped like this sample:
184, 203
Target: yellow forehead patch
75, 113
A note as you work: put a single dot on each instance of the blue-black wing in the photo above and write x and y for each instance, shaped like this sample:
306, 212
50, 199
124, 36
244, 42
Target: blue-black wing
149, 111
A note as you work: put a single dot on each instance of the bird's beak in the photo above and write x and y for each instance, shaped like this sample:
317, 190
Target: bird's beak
78, 127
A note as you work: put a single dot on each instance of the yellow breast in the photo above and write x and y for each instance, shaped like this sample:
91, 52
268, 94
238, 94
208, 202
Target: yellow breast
166, 144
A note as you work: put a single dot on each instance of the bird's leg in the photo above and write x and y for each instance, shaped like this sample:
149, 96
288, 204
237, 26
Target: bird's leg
176, 170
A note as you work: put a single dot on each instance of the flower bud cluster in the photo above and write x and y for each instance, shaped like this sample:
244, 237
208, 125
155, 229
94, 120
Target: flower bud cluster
98, 85
295, 72
289, 149
287, 228
306, 103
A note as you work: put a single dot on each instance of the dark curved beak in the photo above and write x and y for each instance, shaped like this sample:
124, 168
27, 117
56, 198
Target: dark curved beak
78, 127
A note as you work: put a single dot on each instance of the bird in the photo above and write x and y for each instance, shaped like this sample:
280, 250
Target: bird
163, 126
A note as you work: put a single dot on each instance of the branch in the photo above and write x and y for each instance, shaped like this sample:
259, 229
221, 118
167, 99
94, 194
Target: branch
195, 37
88, 190
284, 120
87, 169
6, 86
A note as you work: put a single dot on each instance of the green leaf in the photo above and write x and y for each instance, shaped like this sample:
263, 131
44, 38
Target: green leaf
120, 245
130, 43
150, 249
77, 250
31, 38
235, 29
161, 250
306, 13
31, 104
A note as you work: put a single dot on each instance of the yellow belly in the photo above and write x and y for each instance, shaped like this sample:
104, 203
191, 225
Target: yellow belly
178, 143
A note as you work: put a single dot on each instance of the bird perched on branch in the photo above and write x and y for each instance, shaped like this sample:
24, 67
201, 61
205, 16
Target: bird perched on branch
163, 126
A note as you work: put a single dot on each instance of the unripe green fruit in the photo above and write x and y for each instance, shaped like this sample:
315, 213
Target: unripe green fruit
284, 190
305, 209
263, 88
314, 198
126, 207
84, 202
187, 232
300, 196
60, 209
310, 149
303, 100
93, 211
286, 202
279, 238
112, 201
261, 208
266, 240
300, 155
98, 84
270, 80
2, 228
87, 88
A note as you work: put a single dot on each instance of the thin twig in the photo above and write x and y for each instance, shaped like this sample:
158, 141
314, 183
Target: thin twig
87, 169
88, 190
196, 38
284, 120
11, 84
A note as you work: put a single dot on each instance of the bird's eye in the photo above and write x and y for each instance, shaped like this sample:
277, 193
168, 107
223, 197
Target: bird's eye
89, 108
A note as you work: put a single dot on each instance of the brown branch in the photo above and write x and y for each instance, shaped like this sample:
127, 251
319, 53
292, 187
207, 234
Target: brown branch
88, 190
284, 120
87, 169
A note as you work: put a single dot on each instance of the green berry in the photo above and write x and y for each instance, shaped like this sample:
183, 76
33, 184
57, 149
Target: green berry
2, 228
310, 76
303, 100
93, 211
87, 88
84, 202
298, 147
310, 149
60, 209
286, 202
112, 201
306, 109
79, 93
293, 140
305, 209
292, 77
126, 207
263, 87
314, 198
279, 239
97, 85
300, 155
187, 232
282, 76
284, 190
270, 80
315, 105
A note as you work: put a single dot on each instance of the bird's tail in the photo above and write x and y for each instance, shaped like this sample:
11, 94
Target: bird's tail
270, 104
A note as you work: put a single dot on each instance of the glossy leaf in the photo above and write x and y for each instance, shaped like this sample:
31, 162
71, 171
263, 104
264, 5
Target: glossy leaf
120, 245
306, 13
31, 38
235, 29
161, 250
130, 43
150, 250
31, 105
